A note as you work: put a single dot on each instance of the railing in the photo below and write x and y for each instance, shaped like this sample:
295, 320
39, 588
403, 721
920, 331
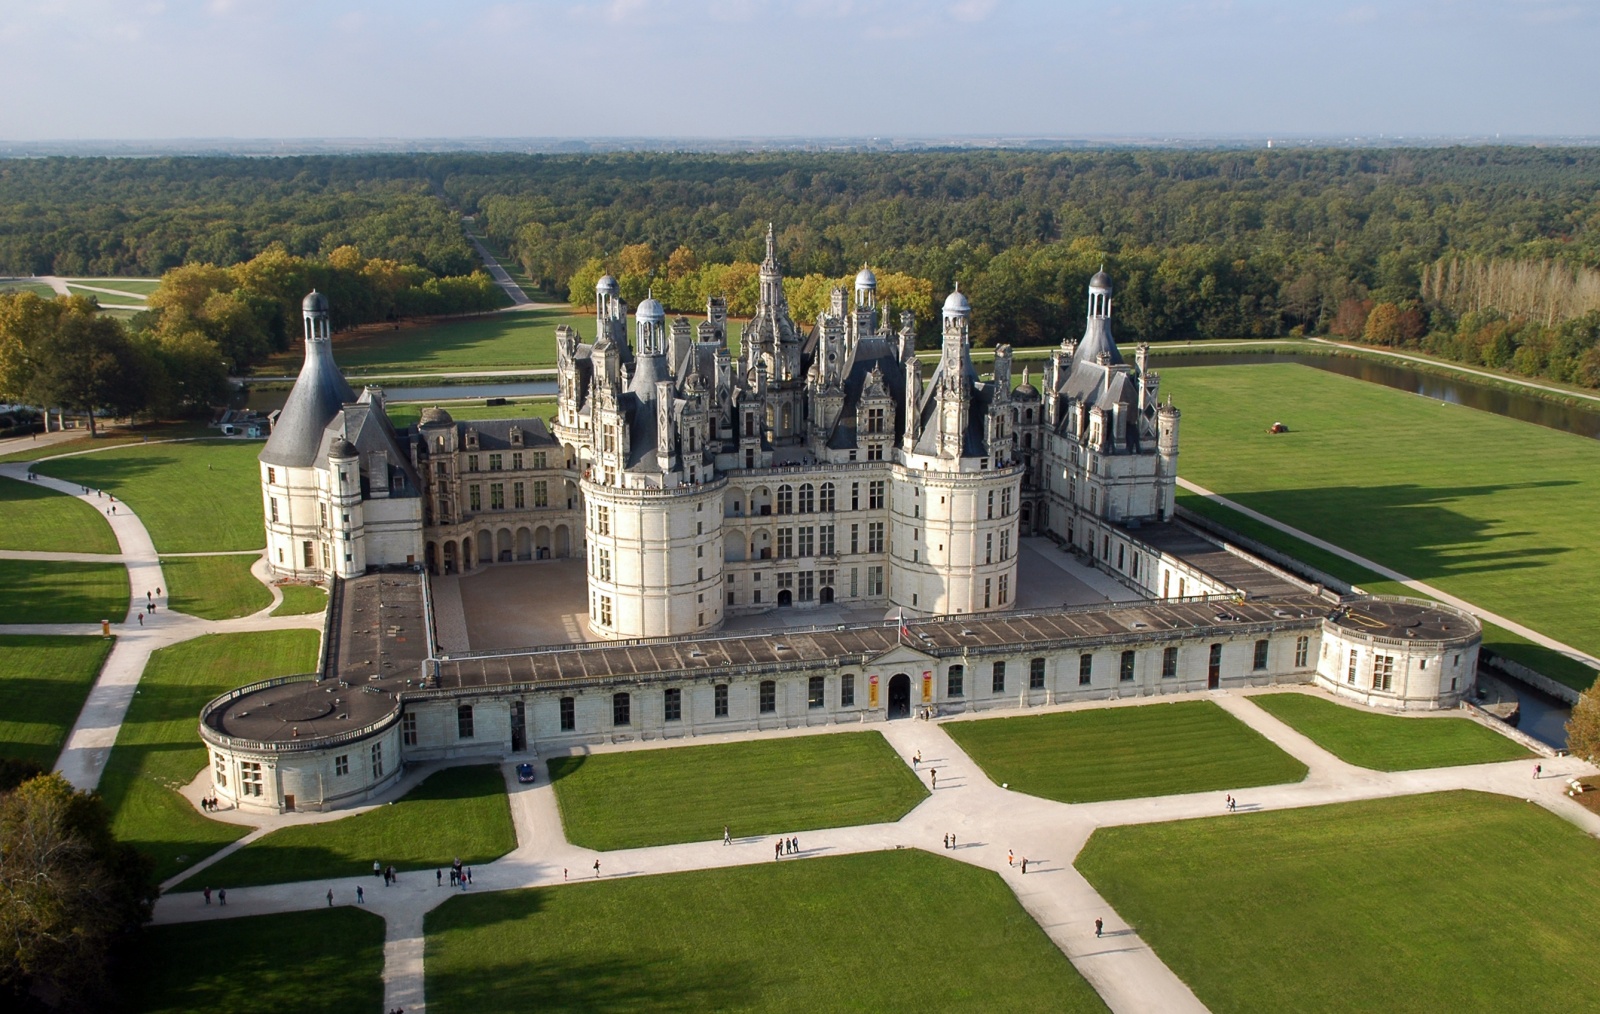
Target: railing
216, 738
1475, 626
330, 626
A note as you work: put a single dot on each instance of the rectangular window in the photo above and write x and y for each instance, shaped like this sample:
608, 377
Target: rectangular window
541, 493
495, 462
475, 497
988, 548
816, 692
1383, 672
825, 498
250, 778
719, 700
806, 587
219, 770
824, 540
1005, 503
1350, 674
998, 678
273, 502
472, 462
408, 729
1169, 663
569, 714
855, 496
874, 452
955, 681
605, 610
988, 591
272, 475
1005, 544
875, 495
1005, 588
1302, 651
519, 495
341, 765
308, 553
991, 503
377, 760
672, 705
1260, 660
785, 543
602, 564
464, 722
769, 697
539, 460
1085, 669
621, 710
874, 581
1127, 666
497, 496
875, 537
1036, 674
516, 460
807, 542
847, 687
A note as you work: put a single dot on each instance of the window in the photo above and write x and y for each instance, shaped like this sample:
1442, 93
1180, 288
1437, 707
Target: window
273, 504
569, 713
1260, 660
988, 591
408, 729
1127, 667
824, 540
785, 543
516, 460
1383, 672
874, 581
769, 697
672, 706
1036, 674
991, 503
875, 536
341, 765
1005, 588
602, 564
1005, 544
272, 475
219, 770
322, 515
875, 420
1085, 667
807, 540
855, 496
1350, 674
875, 494
825, 498
1302, 650
808, 498
539, 459
988, 548
495, 462
806, 588
1005, 503
998, 678
497, 496
785, 499
621, 709
816, 692
250, 778
309, 554
464, 722
377, 760
605, 610
1169, 663
874, 452
602, 520
719, 700
475, 497
847, 690
1214, 664
955, 679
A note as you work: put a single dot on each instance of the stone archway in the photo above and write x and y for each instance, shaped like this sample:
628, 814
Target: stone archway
541, 542
785, 597
563, 542
452, 558
900, 695
485, 545
524, 544
503, 542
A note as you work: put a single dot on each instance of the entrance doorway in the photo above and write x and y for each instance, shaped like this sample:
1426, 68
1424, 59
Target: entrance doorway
519, 727
786, 598
900, 696
825, 596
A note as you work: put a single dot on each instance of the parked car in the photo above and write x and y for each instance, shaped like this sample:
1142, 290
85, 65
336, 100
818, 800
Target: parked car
525, 773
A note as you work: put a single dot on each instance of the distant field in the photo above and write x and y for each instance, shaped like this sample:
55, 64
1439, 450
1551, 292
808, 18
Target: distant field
1124, 753
1497, 511
18, 285
138, 286
1454, 901
404, 415
491, 341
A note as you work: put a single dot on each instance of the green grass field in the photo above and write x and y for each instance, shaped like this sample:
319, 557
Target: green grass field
39, 289
522, 339
1388, 742
328, 960
158, 749
1487, 508
300, 599
43, 682
1124, 753
33, 591
454, 813
774, 786
214, 587
886, 931
406, 414
1457, 901
37, 518
114, 437
141, 287
192, 497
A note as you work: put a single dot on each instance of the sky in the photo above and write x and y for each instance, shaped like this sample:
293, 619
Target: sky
156, 69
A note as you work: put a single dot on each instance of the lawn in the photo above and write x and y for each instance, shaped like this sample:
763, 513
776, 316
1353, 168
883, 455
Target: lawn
193, 497
773, 786
454, 813
35, 517
43, 681
1490, 509
141, 287
113, 437
862, 932
34, 591
1124, 753
40, 289
1455, 901
158, 749
519, 339
1388, 742
214, 587
324, 960
407, 413
299, 599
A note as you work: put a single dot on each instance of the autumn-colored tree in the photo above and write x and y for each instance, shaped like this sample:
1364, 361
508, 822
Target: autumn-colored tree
1583, 728
1383, 325
681, 262
1351, 319
637, 259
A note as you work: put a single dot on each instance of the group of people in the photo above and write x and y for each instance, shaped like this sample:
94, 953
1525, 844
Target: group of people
460, 876
1011, 860
222, 895
386, 872
785, 847
209, 804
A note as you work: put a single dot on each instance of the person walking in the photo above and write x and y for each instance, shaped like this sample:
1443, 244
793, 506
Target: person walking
1227, 802
1011, 858
952, 839
1538, 769
207, 893
933, 773
777, 850
469, 874
377, 868
361, 896
438, 877
946, 841
1099, 927
222, 895
330, 897
916, 759
727, 837
597, 867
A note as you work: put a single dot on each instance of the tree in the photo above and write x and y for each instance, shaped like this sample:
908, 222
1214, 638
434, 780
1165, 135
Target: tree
1583, 728
65, 352
1383, 325
69, 893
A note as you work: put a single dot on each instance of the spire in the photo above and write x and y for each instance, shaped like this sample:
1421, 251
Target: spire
772, 249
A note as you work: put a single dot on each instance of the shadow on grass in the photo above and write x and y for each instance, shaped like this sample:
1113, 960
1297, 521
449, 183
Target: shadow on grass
34, 591
641, 982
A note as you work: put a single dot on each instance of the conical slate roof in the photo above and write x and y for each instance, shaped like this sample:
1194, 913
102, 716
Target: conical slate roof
319, 392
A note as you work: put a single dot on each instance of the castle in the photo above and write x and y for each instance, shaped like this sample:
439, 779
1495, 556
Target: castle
820, 466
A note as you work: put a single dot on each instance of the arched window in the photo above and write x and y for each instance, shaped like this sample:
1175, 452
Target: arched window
825, 500
786, 499
807, 498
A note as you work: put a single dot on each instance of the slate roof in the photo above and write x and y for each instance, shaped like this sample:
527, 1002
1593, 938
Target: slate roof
319, 392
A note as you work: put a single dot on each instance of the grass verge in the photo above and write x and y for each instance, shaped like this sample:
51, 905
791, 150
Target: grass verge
800, 936
43, 683
689, 793
39, 591
307, 962
159, 751
300, 599
214, 587
33, 517
454, 813
1124, 753
1388, 742
1456, 901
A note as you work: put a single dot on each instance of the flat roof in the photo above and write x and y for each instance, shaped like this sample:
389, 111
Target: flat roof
1206, 555
1404, 620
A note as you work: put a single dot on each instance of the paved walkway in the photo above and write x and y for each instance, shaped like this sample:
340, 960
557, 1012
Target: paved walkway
986, 819
1394, 575
501, 277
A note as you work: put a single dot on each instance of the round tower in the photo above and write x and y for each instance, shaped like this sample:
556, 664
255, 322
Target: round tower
344, 523
655, 559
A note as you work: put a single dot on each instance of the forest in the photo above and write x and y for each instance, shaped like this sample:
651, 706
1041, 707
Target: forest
1484, 254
